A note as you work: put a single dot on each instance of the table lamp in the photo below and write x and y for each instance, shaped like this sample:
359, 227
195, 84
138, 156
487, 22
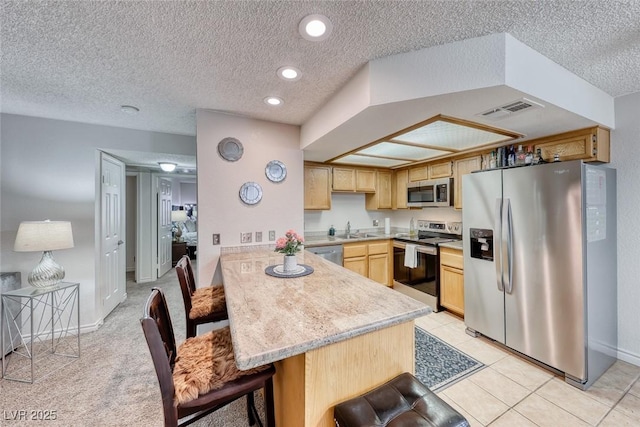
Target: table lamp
178, 217
45, 236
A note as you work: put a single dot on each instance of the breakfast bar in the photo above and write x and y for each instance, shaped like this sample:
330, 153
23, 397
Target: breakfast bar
332, 334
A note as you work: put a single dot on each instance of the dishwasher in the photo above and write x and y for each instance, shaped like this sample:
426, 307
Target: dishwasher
332, 253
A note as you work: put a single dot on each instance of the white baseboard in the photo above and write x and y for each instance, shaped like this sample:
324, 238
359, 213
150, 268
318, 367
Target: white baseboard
629, 357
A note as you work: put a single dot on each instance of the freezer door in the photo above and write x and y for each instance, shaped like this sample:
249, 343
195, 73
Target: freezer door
483, 297
545, 305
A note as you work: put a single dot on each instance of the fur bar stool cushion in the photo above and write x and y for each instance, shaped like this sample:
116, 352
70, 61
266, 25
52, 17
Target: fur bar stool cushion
206, 363
206, 300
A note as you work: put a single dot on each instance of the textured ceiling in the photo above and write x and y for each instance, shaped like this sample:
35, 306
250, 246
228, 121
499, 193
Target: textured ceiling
81, 60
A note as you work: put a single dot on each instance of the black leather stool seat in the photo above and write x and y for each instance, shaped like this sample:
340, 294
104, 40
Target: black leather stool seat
403, 401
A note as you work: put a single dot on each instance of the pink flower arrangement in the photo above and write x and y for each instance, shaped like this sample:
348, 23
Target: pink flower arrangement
290, 243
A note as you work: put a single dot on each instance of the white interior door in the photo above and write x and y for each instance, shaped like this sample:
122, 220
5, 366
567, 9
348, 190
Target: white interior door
112, 229
164, 226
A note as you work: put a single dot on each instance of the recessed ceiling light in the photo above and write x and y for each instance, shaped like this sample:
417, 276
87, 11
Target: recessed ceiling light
167, 166
129, 109
315, 27
273, 101
289, 73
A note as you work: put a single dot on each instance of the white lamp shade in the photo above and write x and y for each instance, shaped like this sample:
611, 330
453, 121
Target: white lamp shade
36, 236
179, 216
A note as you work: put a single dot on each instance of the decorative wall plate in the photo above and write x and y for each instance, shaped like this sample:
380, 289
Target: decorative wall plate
230, 149
276, 171
250, 193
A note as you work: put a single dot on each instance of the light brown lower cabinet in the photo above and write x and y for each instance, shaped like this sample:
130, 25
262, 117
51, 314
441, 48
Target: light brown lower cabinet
452, 280
370, 259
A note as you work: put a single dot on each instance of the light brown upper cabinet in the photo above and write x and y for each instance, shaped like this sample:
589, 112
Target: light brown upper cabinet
440, 170
401, 180
590, 145
358, 180
317, 187
462, 167
419, 173
382, 198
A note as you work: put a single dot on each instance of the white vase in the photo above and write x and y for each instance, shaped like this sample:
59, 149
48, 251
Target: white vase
290, 263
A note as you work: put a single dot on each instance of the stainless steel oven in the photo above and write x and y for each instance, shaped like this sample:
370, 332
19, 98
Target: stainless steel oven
422, 282
423, 278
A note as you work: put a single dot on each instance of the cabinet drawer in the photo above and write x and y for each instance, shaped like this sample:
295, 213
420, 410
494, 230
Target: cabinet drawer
356, 250
378, 248
451, 257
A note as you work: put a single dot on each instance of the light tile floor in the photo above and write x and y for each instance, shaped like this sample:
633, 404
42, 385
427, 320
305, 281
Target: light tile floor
511, 391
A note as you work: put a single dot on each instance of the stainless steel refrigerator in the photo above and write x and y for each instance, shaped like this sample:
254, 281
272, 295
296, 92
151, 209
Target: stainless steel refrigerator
540, 264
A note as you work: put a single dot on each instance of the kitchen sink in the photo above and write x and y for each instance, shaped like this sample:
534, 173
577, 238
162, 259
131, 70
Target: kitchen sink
357, 235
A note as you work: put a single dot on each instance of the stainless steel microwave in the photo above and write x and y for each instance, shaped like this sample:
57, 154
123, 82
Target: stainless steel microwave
432, 193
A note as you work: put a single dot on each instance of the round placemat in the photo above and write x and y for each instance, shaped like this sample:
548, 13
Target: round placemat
272, 270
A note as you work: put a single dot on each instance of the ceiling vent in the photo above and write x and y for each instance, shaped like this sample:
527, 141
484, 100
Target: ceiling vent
509, 109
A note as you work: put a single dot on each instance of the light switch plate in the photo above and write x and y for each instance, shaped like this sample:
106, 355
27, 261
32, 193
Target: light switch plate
216, 239
272, 235
258, 236
245, 237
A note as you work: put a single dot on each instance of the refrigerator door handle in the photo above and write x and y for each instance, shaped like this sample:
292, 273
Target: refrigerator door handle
498, 243
508, 222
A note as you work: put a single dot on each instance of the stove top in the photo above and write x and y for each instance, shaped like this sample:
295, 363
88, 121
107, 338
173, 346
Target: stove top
436, 232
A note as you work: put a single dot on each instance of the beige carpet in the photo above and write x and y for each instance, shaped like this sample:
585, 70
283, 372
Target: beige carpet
113, 383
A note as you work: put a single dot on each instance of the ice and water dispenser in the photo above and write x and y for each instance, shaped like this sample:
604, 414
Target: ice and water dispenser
481, 243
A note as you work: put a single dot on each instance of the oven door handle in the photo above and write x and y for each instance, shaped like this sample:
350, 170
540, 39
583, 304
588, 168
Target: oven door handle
423, 249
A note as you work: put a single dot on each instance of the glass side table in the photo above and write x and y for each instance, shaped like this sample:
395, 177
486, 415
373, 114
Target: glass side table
49, 313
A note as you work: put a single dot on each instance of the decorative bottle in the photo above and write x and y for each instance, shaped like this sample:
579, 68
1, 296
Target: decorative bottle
412, 228
520, 156
511, 157
528, 159
492, 160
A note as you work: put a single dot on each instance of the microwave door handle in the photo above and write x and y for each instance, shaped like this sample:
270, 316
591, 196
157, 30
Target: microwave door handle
509, 232
498, 243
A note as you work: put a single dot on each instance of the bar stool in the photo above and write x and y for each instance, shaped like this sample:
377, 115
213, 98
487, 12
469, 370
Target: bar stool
202, 305
403, 401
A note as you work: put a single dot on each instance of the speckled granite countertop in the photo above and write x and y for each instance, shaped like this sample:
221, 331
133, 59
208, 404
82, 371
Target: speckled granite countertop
273, 318
452, 245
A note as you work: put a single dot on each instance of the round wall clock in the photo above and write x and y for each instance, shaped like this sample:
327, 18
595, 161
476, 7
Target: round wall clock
250, 193
230, 149
276, 171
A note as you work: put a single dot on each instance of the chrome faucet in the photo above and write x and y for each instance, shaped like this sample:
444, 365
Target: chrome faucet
348, 232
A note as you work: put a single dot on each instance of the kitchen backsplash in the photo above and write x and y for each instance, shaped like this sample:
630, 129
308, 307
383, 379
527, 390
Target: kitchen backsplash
351, 207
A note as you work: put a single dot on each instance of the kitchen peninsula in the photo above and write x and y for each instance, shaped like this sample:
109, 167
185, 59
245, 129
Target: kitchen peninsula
332, 334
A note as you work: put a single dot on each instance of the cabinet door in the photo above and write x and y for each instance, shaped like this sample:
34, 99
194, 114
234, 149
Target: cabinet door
381, 199
344, 179
352, 250
452, 289
440, 170
379, 268
365, 180
463, 167
357, 264
419, 173
402, 178
317, 187
589, 145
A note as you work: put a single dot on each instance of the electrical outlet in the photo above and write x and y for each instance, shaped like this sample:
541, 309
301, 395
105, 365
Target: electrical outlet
272, 235
375, 222
245, 237
258, 236
216, 239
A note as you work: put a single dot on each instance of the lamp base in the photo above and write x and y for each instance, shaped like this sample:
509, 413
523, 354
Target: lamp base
47, 273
